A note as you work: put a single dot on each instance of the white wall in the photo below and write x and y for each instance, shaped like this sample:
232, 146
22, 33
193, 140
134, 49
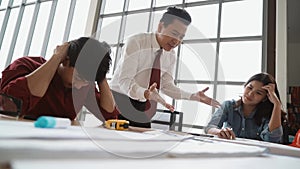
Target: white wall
281, 49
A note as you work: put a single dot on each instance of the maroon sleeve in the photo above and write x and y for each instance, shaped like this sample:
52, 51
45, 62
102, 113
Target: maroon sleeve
14, 82
92, 104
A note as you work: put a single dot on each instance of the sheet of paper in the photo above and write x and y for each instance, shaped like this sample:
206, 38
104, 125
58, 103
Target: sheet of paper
22, 138
93, 149
17, 129
274, 148
193, 148
90, 149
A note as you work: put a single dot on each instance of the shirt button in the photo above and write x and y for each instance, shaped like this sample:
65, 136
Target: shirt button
257, 133
243, 129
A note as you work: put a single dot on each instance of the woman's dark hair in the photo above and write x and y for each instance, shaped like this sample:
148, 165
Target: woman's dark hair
176, 13
90, 58
264, 109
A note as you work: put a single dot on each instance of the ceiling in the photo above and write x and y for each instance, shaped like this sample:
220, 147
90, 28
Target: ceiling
293, 21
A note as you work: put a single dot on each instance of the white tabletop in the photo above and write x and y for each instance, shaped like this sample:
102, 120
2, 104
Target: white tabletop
24, 146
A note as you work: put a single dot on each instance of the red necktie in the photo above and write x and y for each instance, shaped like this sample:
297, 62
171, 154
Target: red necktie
155, 77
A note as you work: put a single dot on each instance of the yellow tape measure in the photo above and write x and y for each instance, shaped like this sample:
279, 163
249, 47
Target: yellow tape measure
116, 124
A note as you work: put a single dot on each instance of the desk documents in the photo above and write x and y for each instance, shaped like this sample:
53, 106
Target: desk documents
100, 142
22, 141
26, 130
273, 147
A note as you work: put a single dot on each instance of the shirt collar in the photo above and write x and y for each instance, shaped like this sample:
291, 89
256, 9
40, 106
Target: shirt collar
240, 108
154, 42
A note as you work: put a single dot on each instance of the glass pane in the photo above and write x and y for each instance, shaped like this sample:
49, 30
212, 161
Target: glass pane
229, 92
113, 6
113, 57
195, 112
196, 60
204, 22
2, 14
40, 29
167, 2
131, 24
80, 19
58, 27
2, 60
138, 4
239, 60
167, 99
242, 18
8, 36
116, 58
17, 2
156, 18
4, 3
110, 30
23, 32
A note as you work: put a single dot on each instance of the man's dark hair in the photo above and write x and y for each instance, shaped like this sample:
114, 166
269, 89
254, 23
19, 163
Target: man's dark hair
90, 58
176, 13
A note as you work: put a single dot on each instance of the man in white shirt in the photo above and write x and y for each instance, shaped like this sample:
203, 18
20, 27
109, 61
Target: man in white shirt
130, 83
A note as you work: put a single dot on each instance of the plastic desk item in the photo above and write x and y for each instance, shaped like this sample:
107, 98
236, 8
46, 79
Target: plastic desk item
116, 124
52, 122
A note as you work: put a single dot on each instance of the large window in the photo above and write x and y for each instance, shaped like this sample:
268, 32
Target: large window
223, 46
35, 27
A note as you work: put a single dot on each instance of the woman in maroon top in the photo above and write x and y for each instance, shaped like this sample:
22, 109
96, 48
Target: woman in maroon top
65, 83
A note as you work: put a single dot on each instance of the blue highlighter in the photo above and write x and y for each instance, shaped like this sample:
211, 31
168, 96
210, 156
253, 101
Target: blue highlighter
52, 122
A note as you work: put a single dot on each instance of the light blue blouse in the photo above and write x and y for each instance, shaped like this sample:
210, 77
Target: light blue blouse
243, 127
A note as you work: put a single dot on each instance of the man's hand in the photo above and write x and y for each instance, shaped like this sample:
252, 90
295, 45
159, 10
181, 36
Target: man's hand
201, 97
152, 94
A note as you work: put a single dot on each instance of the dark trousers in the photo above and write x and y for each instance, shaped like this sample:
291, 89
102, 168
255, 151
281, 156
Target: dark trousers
132, 110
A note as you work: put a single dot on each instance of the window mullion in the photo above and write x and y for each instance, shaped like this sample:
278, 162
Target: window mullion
49, 27
16, 33
69, 20
32, 27
215, 85
5, 21
121, 32
100, 19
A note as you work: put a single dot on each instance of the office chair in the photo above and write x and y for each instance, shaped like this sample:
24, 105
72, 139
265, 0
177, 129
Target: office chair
9, 105
172, 123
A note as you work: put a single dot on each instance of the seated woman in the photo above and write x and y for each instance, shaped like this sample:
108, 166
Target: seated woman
257, 115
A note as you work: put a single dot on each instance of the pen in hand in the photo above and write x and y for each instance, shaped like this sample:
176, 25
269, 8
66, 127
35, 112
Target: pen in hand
225, 125
226, 131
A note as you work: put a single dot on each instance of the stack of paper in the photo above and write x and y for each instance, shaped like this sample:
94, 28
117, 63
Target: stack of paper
22, 140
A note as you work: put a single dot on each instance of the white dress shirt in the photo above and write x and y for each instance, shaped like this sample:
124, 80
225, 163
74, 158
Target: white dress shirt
133, 71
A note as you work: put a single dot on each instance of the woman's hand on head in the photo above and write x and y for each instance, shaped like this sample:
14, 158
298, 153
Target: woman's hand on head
61, 51
271, 93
